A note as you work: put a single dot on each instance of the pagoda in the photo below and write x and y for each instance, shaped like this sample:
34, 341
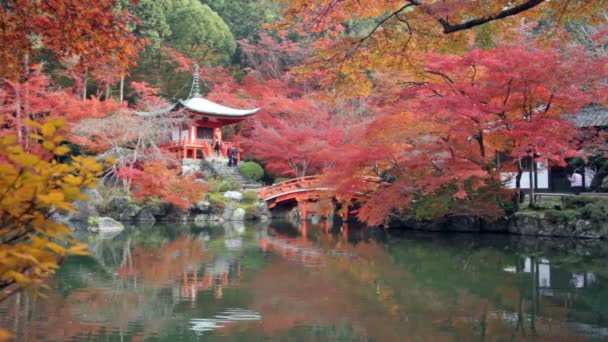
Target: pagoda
195, 140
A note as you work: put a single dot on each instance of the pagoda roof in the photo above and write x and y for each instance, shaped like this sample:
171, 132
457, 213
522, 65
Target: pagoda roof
197, 104
203, 106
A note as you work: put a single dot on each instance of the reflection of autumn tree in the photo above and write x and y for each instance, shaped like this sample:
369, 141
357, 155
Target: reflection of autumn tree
411, 288
105, 302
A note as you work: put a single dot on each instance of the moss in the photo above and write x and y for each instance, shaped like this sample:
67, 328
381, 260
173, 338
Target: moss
217, 201
250, 196
224, 185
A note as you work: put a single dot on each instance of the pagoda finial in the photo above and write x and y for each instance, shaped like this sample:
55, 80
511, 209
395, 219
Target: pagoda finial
195, 91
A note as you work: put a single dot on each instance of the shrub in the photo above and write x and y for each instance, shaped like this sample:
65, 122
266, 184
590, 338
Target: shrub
595, 211
251, 170
561, 216
93, 221
250, 196
226, 185
576, 202
217, 202
280, 179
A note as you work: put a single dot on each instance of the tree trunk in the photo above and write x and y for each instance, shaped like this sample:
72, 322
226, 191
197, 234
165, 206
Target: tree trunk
84, 83
26, 100
599, 176
108, 84
518, 193
122, 87
531, 177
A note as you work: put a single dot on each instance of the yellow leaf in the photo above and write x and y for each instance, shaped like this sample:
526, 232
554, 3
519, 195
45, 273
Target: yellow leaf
25, 160
49, 146
32, 123
78, 249
48, 129
56, 248
61, 150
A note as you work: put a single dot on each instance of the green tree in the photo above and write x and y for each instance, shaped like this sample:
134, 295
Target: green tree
245, 18
153, 21
199, 32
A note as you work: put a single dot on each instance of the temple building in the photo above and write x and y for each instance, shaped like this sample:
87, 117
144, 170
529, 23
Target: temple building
195, 139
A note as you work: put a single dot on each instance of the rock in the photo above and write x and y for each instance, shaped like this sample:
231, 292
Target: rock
117, 203
234, 195
190, 166
238, 214
228, 210
173, 214
86, 208
216, 218
106, 225
264, 218
203, 206
95, 197
145, 214
129, 213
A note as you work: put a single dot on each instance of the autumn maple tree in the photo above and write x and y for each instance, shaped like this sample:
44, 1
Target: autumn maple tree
83, 37
441, 131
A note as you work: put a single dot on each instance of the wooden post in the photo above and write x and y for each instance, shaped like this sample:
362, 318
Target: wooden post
345, 231
304, 230
303, 210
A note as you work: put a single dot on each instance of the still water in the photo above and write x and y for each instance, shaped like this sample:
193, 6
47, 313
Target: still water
277, 281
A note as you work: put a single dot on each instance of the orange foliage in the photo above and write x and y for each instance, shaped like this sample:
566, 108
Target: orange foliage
158, 181
92, 30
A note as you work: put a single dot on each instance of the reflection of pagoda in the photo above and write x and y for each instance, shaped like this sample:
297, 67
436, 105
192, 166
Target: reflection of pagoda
207, 119
217, 275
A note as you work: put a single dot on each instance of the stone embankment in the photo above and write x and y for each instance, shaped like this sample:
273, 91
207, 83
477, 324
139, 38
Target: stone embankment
524, 223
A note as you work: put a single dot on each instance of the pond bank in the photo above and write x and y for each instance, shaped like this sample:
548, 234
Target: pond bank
573, 217
521, 223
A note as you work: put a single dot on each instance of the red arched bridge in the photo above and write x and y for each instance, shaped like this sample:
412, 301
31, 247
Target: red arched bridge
298, 189
304, 191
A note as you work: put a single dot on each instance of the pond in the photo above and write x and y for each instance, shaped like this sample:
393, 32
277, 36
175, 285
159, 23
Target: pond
278, 281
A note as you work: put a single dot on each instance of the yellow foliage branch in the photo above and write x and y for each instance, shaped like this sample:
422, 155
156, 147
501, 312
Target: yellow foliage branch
33, 185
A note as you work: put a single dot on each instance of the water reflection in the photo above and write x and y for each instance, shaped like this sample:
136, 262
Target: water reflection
318, 282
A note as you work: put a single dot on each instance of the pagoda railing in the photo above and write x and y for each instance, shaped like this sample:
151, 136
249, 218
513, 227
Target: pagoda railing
200, 144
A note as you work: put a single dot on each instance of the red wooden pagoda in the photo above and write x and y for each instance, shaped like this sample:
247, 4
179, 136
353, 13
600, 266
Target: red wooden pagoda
196, 139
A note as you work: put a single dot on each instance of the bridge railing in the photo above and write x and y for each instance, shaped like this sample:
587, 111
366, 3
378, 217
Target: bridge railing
289, 185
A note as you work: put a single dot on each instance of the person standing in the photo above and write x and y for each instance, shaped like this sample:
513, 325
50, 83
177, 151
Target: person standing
229, 153
217, 145
576, 182
235, 155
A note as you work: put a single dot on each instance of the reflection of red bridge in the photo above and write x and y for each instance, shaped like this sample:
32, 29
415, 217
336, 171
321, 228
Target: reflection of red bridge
300, 249
293, 249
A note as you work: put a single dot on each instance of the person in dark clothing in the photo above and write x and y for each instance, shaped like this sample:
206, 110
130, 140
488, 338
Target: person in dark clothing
235, 155
216, 146
229, 153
